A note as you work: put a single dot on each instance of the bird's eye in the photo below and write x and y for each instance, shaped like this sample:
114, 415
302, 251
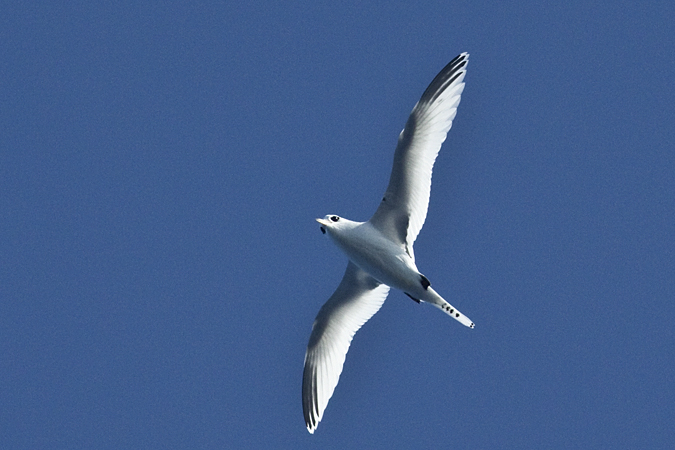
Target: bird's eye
334, 218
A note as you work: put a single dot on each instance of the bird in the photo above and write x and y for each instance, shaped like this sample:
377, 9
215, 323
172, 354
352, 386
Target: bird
380, 251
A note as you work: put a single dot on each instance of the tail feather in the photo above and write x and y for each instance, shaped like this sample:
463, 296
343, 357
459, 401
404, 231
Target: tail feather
447, 308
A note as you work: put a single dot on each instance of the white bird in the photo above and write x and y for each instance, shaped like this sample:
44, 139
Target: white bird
380, 250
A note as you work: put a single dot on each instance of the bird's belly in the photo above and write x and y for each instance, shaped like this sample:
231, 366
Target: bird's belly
393, 273
385, 261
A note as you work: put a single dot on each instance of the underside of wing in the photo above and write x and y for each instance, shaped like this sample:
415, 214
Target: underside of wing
357, 299
403, 209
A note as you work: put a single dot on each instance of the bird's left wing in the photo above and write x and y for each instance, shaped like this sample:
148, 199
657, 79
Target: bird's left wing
403, 209
358, 297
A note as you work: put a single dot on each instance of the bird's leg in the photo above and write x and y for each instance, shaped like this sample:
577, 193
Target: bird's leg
418, 301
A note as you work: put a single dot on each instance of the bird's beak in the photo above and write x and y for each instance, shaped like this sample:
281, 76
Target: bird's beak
324, 223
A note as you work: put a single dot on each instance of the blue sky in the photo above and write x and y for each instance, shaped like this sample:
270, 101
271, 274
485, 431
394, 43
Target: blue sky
161, 167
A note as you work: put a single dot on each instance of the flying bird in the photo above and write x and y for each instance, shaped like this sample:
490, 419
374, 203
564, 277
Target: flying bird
380, 250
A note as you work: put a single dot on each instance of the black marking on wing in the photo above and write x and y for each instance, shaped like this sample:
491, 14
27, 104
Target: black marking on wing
444, 79
418, 301
425, 282
402, 224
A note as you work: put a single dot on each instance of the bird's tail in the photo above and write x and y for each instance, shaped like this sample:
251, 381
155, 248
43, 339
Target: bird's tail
438, 301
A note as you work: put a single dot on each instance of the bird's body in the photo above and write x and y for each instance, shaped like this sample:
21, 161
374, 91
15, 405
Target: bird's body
380, 251
377, 255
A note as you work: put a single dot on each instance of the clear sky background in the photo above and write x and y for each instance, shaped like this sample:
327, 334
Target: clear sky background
161, 167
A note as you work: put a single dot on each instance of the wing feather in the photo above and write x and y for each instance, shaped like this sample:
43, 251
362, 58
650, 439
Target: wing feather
358, 297
403, 209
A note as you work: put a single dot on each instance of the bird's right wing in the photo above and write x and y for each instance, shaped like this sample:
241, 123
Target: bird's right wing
358, 297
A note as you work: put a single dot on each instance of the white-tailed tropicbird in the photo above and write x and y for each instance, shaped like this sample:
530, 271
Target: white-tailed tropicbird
380, 250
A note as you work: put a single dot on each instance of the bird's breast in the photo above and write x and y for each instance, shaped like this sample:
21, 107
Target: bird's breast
382, 258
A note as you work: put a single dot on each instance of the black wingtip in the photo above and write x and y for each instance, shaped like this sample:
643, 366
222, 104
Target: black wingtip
445, 77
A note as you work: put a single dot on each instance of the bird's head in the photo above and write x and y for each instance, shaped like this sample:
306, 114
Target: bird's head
331, 222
